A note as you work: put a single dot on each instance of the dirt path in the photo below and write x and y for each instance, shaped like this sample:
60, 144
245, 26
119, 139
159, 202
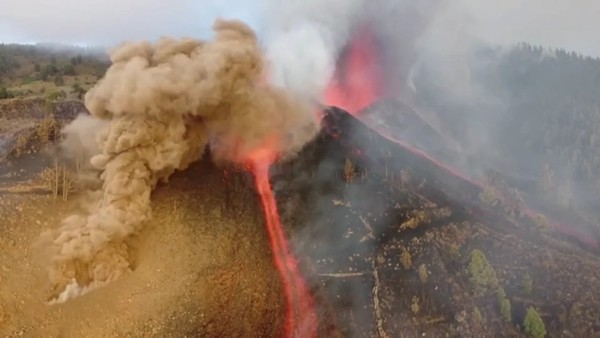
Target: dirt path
202, 268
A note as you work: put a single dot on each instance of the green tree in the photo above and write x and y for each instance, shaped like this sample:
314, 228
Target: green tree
500, 294
56, 96
48, 71
59, 81
505, 309
69, 70
533, 324
481, 273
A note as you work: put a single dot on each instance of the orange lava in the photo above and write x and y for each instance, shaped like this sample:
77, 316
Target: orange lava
300, 318
357, 81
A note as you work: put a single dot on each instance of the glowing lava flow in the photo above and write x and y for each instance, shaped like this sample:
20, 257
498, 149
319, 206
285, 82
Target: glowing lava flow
300, 319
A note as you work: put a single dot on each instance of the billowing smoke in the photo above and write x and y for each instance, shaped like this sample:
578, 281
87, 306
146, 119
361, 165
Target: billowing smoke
158, 107
304, 39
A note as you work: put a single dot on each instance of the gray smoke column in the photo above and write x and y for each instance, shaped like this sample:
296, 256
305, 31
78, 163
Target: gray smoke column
160, 105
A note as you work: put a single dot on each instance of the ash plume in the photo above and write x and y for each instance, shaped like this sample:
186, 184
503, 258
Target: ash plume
160, 105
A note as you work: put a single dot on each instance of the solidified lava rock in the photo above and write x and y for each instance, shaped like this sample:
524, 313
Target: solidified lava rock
389, 233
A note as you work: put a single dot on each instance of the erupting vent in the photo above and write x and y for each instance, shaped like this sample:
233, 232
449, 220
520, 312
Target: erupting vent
358, 80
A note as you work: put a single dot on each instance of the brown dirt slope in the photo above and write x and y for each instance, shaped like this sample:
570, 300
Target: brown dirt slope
202, 267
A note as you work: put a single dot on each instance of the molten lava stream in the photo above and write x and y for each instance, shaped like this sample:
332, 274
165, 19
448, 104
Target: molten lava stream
300, 319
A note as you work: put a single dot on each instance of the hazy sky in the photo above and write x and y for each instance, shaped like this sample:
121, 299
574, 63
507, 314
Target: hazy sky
569, 24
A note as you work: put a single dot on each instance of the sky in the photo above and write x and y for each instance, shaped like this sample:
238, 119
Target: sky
568, 24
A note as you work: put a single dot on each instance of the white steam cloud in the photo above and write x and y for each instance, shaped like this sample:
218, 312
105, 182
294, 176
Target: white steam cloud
304, 39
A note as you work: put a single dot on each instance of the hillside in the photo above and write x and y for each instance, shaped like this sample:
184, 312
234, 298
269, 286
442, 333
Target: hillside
391, 243
404, 247
531, 114
392, 240
48, 71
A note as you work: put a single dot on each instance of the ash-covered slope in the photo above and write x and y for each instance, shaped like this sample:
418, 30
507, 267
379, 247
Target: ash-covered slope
394, 241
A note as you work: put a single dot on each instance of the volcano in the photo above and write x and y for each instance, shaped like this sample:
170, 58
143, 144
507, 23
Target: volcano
386, 234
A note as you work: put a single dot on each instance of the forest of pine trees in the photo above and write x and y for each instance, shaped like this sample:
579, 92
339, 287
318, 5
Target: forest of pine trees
539, 110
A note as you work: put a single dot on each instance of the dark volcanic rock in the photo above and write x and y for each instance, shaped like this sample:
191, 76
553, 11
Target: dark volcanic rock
386, 234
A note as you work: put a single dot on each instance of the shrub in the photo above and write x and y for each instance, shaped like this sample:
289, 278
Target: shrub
527, 283
5, 93
21, 144
423, 273
477, 317
406, 259
505, 309
46, 129
454, 252
414, 306
500, 294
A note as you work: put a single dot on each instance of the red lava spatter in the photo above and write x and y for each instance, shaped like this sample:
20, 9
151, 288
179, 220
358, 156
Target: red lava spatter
300, 318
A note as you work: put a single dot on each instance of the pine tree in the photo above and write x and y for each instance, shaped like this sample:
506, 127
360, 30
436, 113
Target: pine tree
533, 324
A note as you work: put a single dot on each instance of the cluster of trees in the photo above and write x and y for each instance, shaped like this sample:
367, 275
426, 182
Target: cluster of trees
24, 63
553, 111
7, 63
483, 277
533, 110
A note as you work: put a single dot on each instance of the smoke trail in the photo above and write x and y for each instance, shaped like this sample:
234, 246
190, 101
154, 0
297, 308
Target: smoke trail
161, 105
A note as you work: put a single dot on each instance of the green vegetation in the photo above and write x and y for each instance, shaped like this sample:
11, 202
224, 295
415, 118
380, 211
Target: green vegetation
5, 94
527, 283
500, 294
541, 112
533, 324
505, 309
454, 252
481, 273
33, 71
504, 303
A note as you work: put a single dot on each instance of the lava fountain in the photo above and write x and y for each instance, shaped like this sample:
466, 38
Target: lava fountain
357, 81
300, 317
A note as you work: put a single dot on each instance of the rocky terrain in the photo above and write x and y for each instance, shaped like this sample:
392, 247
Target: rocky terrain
393, 246
404, 248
